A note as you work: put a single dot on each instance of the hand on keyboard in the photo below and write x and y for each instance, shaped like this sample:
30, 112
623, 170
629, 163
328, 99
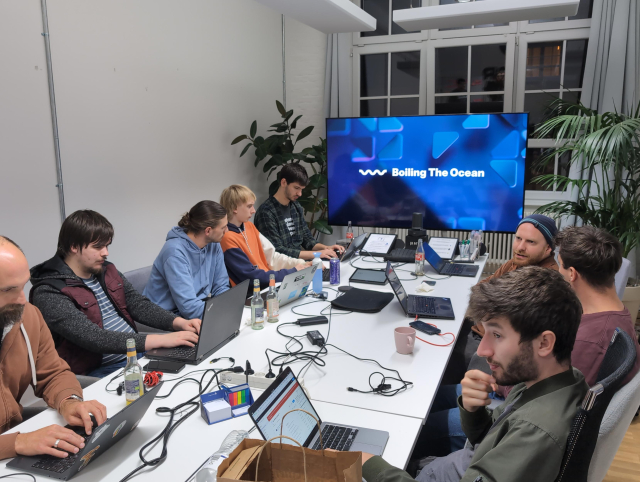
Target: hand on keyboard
43, 441
179, 338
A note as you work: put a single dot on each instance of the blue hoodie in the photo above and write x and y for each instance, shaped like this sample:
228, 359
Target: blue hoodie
183, 275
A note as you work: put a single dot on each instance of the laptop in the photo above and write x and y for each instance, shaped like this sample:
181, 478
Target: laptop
103, 437
285, 394
444, 267
347, 254
293, 286
220, 324
423, 306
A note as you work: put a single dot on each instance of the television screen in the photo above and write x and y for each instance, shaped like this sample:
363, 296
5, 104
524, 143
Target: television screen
462, 172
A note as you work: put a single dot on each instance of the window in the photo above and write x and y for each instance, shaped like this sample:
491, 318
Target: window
464, 76
382, 11
584, 11
390, 84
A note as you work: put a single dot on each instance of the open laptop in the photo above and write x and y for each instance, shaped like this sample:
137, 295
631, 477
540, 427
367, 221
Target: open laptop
220, 324
285, 394
378, 244
348, 253
423, 306
103, 437
293, 286
446, 268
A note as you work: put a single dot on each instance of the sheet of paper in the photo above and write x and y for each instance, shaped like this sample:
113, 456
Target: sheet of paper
377, 243
444, 247
214, 405
241, 410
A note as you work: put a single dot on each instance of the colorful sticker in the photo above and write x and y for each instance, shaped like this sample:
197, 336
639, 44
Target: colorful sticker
134, 426
98, 432
87, 458
118, 428
303, 292
293, 294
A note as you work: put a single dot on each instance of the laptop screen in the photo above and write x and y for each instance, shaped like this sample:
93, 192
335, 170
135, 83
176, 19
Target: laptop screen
432, 258
395, 283
285, 394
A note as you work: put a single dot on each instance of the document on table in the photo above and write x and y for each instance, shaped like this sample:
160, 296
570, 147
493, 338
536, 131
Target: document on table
444, 247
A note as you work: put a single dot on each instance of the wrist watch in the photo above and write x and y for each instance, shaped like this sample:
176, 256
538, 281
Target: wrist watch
74, 397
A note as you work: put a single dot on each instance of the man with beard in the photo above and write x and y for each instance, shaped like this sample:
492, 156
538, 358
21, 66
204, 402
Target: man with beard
90, 306
530, 317
27, 356
281, 218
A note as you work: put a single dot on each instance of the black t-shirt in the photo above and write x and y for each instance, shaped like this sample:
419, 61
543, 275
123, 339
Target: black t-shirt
285, 212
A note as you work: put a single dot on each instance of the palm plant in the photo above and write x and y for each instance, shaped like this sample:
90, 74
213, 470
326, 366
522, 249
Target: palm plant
279, 149
606, 146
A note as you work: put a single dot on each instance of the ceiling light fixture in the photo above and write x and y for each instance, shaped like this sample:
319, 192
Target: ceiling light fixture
467, 13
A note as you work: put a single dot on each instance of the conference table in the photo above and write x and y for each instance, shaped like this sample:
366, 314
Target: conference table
364, 335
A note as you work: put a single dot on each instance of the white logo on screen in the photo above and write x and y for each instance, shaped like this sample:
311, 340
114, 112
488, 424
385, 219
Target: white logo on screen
369, 172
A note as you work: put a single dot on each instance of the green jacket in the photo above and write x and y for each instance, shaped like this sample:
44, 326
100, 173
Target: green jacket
527, 445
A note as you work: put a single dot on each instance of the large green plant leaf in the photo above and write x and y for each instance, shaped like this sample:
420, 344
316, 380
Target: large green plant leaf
281, 108
254, 128
246, 148
322, 225
238, 139
304, 133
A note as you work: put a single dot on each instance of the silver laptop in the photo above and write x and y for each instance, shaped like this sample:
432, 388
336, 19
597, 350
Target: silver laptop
286, 394
293, 286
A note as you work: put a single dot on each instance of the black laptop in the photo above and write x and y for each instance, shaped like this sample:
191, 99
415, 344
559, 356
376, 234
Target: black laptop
220, 324
348, 253
102, 439
423, 306
446, 268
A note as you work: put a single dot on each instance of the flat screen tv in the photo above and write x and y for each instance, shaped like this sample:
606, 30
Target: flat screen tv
463, 172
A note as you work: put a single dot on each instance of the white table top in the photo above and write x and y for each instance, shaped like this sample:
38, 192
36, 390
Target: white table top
364, 335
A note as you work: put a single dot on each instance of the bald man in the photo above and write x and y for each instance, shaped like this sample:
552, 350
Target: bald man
28, 357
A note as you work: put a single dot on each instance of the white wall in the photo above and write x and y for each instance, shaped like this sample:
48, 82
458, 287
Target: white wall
29, 211
149, 94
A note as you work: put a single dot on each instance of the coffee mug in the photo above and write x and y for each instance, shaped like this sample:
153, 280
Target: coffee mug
405, 339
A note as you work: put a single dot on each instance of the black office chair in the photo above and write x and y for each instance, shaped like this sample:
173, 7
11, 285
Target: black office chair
617, 363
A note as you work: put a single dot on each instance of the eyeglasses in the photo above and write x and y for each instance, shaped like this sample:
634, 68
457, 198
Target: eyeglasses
556, 252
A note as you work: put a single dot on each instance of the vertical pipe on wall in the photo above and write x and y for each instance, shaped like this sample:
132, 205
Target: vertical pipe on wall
52, 101
284, 70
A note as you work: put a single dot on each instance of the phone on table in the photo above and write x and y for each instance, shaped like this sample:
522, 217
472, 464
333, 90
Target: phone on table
424, 327
164, 366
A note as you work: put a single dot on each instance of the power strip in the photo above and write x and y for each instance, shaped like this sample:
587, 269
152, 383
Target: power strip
256, 380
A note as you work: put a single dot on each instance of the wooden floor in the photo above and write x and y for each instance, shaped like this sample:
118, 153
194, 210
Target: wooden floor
626, 465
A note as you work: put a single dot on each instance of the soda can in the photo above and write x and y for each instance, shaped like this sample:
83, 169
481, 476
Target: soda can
334, 271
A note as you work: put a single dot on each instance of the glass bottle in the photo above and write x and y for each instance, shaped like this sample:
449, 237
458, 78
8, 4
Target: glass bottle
419, 259
133, 380
349, 233
257, 307
273, 305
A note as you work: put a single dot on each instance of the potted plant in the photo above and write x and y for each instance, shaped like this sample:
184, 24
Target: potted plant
278, 149
605, 150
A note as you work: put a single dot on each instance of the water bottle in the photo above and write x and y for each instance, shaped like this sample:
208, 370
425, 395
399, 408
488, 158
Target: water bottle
209, 472
419, 259
317, 276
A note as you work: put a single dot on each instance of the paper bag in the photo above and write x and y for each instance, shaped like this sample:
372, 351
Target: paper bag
286, 463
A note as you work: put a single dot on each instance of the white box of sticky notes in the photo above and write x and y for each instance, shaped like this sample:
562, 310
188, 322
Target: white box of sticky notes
225, 403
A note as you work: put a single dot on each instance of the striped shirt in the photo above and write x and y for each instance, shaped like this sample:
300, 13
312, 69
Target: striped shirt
111, 320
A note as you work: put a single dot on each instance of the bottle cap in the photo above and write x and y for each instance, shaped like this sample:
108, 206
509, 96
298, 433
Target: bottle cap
317, 254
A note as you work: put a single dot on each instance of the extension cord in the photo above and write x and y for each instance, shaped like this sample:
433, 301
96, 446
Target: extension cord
256, 380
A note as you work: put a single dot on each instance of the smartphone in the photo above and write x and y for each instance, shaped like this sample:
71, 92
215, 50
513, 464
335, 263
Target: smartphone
424, 327
430, 283
164, 366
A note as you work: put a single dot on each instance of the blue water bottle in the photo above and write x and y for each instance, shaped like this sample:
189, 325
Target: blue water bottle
317, 276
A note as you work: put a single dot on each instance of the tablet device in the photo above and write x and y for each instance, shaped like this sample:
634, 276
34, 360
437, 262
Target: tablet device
378, 244
369, 276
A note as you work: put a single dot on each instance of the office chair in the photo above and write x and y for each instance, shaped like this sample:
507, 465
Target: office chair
617, 363
139, 279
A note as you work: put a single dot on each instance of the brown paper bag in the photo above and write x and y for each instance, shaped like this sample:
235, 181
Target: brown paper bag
279, 462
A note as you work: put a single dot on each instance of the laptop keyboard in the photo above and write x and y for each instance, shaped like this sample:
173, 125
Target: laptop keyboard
423, 304
55, 464
452, 268
401, 255
182, 352
326, 275
336, 438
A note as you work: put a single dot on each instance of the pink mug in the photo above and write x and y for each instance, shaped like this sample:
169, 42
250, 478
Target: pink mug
405, 339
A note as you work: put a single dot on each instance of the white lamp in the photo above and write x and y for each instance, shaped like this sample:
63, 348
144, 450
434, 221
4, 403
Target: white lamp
467, 13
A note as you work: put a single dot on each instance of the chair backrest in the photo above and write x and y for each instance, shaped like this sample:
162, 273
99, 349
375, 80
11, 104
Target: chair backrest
622, 276
139, 278
613, 427
617, 363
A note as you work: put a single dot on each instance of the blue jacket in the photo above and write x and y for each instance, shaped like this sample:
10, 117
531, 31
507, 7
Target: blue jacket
183, 275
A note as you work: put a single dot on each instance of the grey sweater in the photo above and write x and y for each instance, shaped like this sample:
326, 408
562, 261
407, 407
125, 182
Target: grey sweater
64, 319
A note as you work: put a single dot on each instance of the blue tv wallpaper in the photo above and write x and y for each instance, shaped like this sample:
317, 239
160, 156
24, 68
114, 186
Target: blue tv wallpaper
461, 171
